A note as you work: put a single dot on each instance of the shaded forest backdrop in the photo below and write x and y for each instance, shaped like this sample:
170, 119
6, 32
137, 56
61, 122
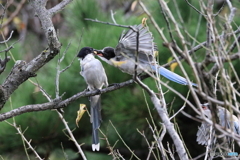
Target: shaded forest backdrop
128, 109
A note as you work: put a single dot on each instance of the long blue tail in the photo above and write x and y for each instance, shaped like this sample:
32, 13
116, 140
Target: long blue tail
171, 76
95, 120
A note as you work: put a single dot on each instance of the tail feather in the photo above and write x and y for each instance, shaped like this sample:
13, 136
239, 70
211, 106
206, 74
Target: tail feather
171, 75
95, 120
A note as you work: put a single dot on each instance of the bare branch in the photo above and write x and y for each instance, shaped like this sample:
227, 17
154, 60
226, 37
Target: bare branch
235, 44
229, 58
113, 24
177, 112
232, 11
7, 49
188, 58
57, 103
160, 31
22, 71
194, 8
7, 39
200, 46
26, 141
29, 108
72, 136
173, 44
219, 11
166, 121
133, 154
45, 17
14, 14
112, 16
59, 7
3, 63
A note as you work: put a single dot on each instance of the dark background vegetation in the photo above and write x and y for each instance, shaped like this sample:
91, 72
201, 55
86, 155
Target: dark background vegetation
125, 108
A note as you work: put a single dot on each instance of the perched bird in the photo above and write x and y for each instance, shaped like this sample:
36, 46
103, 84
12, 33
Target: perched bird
226, 120
95, 77
123, 56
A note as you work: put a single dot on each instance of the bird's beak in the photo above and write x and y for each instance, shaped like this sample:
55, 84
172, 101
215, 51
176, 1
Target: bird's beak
98, 52
205, 106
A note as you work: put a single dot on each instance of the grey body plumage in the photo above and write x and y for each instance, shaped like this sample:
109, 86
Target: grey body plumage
123, 55
226, 120
95, 77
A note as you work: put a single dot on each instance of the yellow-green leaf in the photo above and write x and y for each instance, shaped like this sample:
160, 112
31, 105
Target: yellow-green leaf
80, 112
173, 65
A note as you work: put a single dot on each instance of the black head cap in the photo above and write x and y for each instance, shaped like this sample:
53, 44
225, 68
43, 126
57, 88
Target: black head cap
205, 106
107, 52
85, 51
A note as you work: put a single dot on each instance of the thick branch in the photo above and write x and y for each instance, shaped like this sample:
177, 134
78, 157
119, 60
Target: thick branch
22, 71
45, 18
162, 112
29, 108
17, 76
57, 103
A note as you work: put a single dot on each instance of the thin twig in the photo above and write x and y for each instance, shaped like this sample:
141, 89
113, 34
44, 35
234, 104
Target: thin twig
23, 137
195, 8
165, 119
174, 44
234, 44
112, 16
71, 135
5, 41
199, 46
177, 112
14, 14
219, 11
124, 141
113, 24
60, 59
190, 116
28, 142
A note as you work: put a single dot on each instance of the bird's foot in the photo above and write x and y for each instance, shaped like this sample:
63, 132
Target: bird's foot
99, 91
86, 90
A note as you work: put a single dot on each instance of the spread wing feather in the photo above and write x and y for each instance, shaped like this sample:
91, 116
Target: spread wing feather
128, 44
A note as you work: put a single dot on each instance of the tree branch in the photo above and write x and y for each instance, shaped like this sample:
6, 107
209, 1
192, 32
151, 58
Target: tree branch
58, 103
29, 108
162, 112
59, 7
14, 14
232, 57
22, 71
199, 46
5, 41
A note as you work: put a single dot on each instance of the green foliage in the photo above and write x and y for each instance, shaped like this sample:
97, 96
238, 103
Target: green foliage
126, 107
